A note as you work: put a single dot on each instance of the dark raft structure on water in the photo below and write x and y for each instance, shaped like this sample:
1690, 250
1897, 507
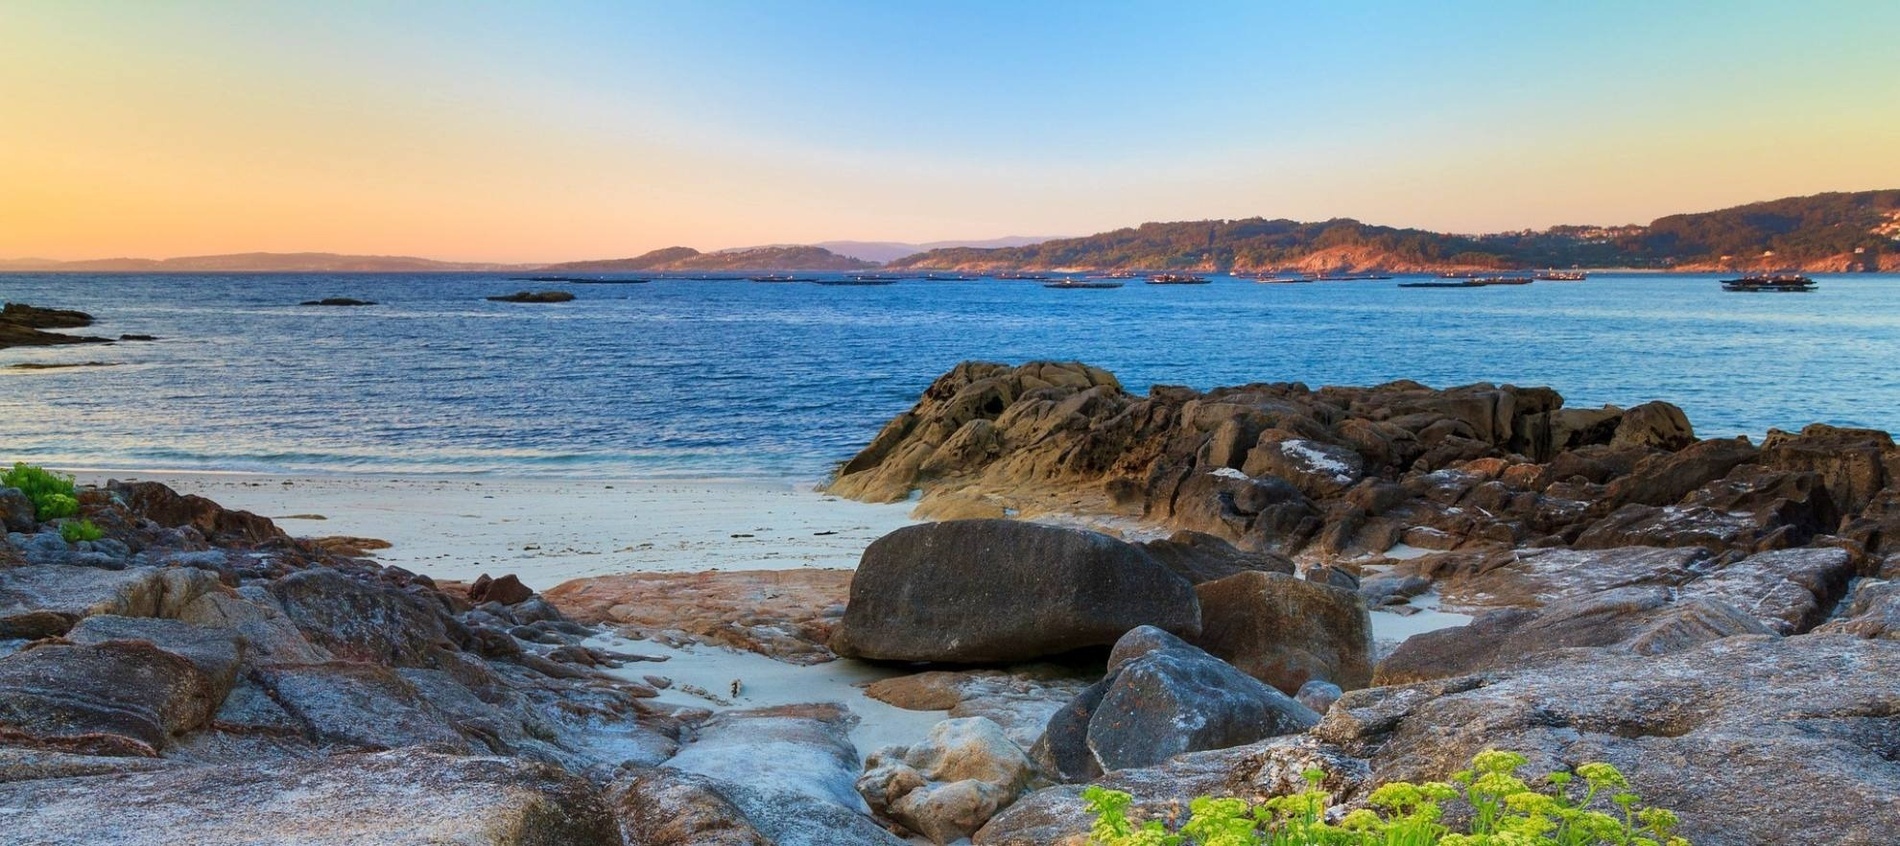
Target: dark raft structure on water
1778, 283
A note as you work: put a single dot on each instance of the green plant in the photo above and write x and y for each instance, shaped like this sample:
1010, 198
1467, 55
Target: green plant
52, 494
1502, 810
80, 530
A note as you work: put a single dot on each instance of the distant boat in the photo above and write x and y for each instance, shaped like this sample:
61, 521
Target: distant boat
858, 281
1082, 284
1501, 280
1778, 283
1483, 282
1562, 276
1176, 279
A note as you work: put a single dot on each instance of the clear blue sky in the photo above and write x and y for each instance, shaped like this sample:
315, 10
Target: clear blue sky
567, 130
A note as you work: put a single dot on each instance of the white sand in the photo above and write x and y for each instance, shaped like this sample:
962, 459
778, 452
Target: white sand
548, 531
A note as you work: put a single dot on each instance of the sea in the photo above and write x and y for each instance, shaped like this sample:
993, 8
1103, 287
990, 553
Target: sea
729, 379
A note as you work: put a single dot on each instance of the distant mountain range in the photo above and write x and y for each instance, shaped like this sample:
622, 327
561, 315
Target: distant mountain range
676, 259
1822, 233
1838, 232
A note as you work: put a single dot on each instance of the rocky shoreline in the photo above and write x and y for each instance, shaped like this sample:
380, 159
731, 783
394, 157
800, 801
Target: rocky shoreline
1716, 618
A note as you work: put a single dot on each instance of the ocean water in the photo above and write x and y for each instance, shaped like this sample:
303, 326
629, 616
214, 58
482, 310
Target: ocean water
689, 378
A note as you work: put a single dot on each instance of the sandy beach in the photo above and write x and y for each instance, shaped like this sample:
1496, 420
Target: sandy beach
547, 531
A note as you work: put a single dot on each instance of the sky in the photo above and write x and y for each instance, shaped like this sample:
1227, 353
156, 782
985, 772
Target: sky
545, 131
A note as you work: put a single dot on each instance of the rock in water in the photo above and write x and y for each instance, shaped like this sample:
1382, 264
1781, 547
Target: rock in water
980, 591
533, 297
1286, 631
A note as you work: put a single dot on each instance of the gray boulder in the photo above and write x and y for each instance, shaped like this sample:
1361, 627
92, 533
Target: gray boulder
113, 698
44, 600
1788, 590
979, 591
948, 786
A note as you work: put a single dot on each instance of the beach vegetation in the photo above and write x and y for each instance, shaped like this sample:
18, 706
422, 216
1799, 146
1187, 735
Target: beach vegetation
53, 495
1486, 805
77, 531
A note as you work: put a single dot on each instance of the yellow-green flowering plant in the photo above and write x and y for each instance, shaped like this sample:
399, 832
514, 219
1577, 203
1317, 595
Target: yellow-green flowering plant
1502, 810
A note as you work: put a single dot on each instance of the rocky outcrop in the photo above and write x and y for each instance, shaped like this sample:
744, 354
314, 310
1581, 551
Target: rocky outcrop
979, 591
1732, 734
22, 325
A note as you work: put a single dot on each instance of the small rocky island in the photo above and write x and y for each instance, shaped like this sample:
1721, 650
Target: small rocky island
1717, 618
533, 297
22, 325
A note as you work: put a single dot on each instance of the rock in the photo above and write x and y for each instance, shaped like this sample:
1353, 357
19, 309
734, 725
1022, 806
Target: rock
780, 816
1062, 751
1021, 699
1163, 697
1654, 424
1789, 591
1639, 620
801, 748
361, 621
1200, 557
167, 507
1254, 772
1526, 578
980, 591
1665, 478
337, 301
1318, 469
1736, 735
269, 637
662, 807
1676, 526
533, 297
16, 511
1318, 695
506, 590
46, 600
360, 705
778, 613
1852, 463
214, 652
20, 326
113, 698
1871, 611
406, 796
948, 786
1287, 631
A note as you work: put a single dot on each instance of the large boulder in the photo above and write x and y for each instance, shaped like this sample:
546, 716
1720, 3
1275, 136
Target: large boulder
1201, 557
1526, 578
948, 786
405, 797
1287, 631
1653, 424
167, 507
979, 591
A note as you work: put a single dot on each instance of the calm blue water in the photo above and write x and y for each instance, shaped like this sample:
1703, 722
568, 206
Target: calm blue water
706, 378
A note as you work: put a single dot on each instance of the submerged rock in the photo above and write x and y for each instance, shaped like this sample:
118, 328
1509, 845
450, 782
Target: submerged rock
533, 297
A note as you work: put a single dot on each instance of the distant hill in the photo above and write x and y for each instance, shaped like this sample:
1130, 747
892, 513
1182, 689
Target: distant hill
256, 263
750, 259
885, 251
1825, 232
